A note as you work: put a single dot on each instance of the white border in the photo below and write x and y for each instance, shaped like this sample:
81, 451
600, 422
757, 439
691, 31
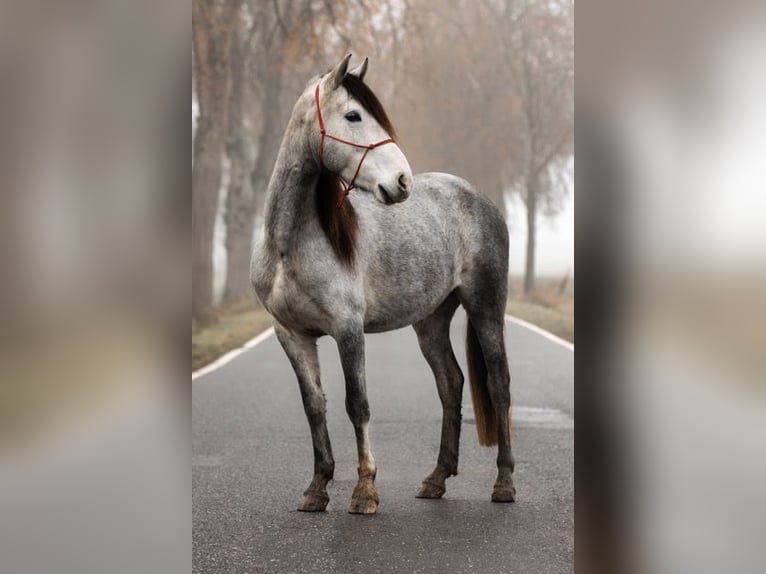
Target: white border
540, 331
233, 354
260, 338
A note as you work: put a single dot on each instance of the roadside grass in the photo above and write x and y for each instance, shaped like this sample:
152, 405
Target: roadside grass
548, 307
233, 329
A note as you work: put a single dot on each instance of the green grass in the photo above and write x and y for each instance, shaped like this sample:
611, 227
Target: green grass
233, 329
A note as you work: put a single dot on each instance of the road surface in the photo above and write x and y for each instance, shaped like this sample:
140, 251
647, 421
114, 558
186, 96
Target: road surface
252, 459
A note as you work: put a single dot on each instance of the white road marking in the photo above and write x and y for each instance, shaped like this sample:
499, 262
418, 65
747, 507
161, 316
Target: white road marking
234, 353
540, 331
541, 417
537, 417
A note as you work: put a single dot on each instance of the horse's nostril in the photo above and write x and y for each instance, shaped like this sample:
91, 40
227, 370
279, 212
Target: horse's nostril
404, 181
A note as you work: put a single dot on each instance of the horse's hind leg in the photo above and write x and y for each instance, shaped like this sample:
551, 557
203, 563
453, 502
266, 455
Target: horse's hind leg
302, 352
433, 336
364, 499
490, 333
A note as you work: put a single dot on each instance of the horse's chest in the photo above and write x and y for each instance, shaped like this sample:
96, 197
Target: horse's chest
287, 299
277, 288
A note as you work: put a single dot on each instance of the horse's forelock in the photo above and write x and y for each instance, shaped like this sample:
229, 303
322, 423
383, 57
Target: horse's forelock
362, 93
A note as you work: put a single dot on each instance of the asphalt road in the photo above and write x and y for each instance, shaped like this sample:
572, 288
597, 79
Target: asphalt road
252, 459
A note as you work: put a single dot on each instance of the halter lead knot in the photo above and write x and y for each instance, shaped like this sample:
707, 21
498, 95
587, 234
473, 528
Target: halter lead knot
366, 148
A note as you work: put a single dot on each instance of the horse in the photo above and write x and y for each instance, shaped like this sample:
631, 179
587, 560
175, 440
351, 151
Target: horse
402, 251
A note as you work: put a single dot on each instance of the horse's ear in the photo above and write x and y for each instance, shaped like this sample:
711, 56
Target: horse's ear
339, 72
360, 70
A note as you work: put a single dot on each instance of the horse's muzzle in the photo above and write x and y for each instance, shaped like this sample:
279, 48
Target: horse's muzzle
390, 197
404, 183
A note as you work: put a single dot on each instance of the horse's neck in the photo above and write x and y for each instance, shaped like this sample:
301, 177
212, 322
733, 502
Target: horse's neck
289, 200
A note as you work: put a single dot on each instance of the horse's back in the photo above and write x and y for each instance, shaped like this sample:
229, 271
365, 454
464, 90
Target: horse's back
450, 194
480, 224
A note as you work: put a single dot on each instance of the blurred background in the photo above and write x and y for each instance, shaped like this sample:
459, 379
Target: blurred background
671, 253
94, 287
481, 89
95, 290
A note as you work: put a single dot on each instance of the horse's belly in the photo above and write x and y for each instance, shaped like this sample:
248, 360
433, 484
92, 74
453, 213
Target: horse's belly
405, 305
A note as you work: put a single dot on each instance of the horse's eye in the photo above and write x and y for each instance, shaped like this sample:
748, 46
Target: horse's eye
353, 117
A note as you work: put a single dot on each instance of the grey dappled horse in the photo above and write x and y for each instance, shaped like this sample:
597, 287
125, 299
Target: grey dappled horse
328, 265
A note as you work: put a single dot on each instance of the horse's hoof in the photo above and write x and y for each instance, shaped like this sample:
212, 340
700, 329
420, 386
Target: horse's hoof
431, 490
504, 494
314, 502
363, 506
365, 499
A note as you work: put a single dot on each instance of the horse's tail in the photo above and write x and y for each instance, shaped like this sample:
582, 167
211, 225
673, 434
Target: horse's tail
484, 412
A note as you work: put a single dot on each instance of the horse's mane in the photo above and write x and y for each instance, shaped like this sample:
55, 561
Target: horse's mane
340, 224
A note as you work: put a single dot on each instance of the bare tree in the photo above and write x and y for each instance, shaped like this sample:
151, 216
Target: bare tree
213, 27
458, 107
541, 36
240, 203
488, 95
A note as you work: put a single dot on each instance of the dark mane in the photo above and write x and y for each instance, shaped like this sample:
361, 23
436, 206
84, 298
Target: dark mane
361, 92
338, 223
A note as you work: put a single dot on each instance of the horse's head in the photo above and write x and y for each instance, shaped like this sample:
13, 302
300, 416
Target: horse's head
353, 136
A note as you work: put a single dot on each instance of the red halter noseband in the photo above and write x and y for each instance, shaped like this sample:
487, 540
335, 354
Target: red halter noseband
366, 148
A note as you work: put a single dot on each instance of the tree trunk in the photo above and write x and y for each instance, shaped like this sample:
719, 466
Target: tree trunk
206, 181
270, 139
240, 220
246, 196
240, 203
531, 202
212, 29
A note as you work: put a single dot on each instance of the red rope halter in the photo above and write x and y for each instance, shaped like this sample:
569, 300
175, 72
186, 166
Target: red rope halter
366, 148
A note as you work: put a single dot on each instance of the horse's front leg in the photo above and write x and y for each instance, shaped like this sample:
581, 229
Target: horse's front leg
302, 351
351, 347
